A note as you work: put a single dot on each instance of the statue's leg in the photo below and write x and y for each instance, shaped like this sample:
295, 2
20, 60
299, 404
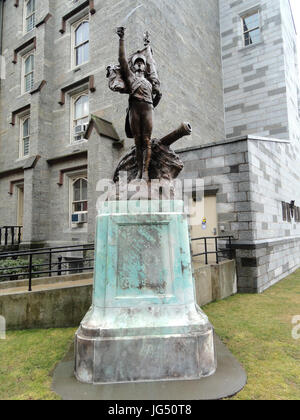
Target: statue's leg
135, 124
147, 128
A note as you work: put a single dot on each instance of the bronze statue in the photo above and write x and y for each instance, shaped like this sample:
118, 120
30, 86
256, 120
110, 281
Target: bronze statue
138, 77
142, 92
165, 165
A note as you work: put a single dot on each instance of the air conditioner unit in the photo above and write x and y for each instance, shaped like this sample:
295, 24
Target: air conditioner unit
78, 129
75, 218
79, 218
82, 218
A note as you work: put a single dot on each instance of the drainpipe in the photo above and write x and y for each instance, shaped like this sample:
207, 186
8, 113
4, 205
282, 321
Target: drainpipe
1, 31
1, 23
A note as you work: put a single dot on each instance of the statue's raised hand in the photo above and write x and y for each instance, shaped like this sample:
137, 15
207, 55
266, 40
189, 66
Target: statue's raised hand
121, 32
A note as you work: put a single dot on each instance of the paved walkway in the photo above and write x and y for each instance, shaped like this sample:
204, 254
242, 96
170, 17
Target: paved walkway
51, 286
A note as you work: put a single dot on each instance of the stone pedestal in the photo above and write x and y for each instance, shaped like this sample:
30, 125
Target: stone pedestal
144, 323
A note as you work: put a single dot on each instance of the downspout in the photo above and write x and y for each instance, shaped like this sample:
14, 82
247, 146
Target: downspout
1, 24
1, 32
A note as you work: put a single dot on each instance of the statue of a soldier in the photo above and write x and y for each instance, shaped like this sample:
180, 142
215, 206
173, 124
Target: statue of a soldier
138, 78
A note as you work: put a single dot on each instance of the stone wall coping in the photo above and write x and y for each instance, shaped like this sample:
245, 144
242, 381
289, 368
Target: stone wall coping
261, 243
233, 140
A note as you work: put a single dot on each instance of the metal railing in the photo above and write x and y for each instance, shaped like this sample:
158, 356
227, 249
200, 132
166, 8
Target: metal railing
220, 246
10, 235
46, 261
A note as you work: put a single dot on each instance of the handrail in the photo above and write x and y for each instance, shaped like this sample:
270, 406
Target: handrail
49, 266
217, 252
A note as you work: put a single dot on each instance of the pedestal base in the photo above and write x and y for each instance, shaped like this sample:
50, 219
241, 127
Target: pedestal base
144, 324
152, 358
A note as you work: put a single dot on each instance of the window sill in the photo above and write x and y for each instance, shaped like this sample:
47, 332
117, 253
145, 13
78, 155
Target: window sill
22, 158
78, 143
80, 67
249, 47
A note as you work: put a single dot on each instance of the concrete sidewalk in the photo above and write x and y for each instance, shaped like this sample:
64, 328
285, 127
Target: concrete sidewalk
43, 287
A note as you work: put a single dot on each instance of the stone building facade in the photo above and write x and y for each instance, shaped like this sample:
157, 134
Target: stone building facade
240, 95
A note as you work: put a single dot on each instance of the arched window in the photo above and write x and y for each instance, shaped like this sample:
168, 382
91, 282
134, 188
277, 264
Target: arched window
81, 42
81, 116
25, 136
28, 72
79, 199
29, 15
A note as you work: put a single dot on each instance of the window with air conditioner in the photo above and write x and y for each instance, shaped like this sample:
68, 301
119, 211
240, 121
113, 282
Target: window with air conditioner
79, 204
80, 116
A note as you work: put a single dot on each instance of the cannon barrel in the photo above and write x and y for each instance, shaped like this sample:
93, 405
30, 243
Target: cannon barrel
185, 129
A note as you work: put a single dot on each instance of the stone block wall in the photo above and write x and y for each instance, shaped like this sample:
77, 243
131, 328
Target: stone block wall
252, 177
187, 50
257, 90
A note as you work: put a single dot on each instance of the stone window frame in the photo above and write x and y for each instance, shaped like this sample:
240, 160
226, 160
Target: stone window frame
22, 118
74, 96
74, 12
74, 26
248, 12
25, 56
25, 17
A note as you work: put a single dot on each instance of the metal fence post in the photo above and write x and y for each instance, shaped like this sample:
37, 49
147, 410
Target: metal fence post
30, 273
6, 236
217, 255
19, 234
59, 265
50, 263
205, 249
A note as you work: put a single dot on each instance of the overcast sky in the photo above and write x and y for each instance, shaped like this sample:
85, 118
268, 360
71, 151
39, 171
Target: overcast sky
296, 11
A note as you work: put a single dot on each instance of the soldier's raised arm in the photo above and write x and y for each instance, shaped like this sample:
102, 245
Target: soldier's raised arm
122, 54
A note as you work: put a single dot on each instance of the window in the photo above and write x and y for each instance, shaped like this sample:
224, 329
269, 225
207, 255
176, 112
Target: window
24, 136
251, 28
28, 72
80, 116
81, 42
79, 200
29, 15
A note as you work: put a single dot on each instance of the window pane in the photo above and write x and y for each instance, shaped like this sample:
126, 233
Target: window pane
30, 7
84, 190
85, 52
76, 190
77, 207
26, 146
26, 128
29, 64
82, 33
82, 54
28, 82
30, 22
81, 107
79, 56
252, 37
251, 22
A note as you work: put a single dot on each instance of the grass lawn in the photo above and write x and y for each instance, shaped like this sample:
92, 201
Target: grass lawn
256, 328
